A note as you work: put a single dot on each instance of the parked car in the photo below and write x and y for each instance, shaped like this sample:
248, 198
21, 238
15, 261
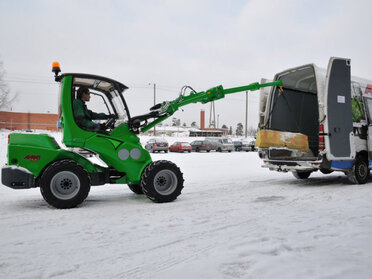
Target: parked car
157, 144
223, 144
180, 147
238, 145
248, 145
202, 145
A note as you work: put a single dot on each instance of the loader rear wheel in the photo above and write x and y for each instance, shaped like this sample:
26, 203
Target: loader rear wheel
136, 188
301, 174
162, 181
64, 184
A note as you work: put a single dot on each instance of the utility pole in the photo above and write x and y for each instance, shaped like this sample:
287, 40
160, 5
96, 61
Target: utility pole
154, 84
246, 113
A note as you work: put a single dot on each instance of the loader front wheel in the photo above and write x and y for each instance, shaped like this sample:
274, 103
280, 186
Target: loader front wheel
64, 184
162, 181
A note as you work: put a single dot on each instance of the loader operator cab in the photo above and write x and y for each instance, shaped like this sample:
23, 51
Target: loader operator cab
106, 107
106, 102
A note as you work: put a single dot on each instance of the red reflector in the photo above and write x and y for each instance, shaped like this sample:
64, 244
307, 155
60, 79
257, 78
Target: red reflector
155, 144
8, 138
203, 145
321, 145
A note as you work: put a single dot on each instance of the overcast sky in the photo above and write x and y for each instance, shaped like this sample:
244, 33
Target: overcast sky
174, 43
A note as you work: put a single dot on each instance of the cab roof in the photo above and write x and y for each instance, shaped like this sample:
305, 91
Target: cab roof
95, 82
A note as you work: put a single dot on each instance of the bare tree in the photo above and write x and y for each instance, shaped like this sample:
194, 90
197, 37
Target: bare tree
194, 125
176, 122
5, 99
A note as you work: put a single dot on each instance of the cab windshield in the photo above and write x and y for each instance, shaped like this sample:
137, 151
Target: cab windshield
105, 97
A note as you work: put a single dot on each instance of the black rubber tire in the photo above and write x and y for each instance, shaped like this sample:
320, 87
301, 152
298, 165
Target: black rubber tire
64, 166
325, 171
361, 170
166, 151
136, 188
197, 149
208, 150
148, 178
219, 150
301, 174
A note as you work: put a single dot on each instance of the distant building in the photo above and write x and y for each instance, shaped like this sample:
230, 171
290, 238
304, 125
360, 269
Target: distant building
28, 121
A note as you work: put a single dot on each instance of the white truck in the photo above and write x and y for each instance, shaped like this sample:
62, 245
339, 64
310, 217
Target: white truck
332, 108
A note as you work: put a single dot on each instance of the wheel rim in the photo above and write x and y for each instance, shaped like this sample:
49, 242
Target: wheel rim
65, 185
165, 182
362, 170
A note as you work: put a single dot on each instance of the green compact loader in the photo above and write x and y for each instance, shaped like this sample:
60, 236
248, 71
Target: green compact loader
66, 175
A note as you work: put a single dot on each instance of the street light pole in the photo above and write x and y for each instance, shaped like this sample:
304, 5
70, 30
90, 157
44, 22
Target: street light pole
154, 105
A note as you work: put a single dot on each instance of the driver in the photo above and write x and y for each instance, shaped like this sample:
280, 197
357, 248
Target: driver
84, 116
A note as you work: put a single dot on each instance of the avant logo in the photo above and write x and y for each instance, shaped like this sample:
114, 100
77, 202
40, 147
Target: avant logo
32, 158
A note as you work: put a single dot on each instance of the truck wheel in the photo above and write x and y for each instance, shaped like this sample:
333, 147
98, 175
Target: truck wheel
326, 171
197, 149
162, 181
64, 184
301, 174
136, 188
360, 172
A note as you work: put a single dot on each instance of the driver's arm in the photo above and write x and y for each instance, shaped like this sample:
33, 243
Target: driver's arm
98, 116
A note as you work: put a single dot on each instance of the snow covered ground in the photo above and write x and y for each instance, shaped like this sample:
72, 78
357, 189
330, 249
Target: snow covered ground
234, 219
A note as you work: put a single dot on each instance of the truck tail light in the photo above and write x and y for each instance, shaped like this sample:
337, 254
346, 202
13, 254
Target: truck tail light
203, 145
155, 144
321, 138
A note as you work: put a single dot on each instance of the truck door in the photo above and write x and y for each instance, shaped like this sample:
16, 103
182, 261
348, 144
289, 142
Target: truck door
264, 97
368, 106
339, 121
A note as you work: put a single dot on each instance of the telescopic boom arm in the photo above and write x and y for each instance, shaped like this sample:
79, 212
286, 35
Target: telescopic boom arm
164, 110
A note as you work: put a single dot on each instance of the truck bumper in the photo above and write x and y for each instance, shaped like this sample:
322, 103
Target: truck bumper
17, 178
286, 166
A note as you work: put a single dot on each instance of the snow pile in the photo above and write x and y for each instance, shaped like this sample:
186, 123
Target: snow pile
233, 220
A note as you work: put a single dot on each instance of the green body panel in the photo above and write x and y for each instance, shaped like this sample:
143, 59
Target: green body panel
36, 151
73, 135
121, 139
